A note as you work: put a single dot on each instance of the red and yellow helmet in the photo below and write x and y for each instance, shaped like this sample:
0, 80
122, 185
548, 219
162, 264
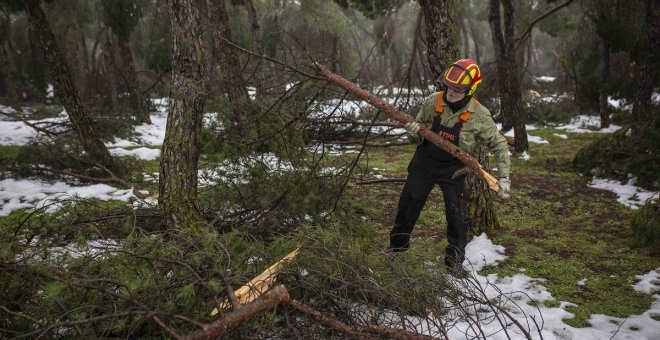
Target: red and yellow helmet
462, 76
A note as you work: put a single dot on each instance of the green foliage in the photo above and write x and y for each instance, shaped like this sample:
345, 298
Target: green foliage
560, 110
645, 225
624, 152
122, 16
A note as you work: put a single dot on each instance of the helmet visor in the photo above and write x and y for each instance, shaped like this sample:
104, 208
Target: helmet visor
457, 78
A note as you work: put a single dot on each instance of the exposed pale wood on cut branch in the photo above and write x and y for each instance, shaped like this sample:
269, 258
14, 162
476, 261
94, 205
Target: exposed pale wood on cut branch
230, 320
257, 286
403, 118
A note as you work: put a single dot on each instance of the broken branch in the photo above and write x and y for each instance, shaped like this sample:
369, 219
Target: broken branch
230, 320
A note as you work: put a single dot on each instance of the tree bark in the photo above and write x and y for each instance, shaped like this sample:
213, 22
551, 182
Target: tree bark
647, 71
140, 104
66, 89
110, 70
403, 118
482, 216
256, 39
507, 72
7, 73
604, 84
440, 42
230, 66
180, 152
477, 54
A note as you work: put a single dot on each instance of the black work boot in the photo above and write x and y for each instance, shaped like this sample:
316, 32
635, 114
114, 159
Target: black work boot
454, 267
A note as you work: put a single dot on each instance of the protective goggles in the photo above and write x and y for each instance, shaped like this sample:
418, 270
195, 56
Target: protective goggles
455, 78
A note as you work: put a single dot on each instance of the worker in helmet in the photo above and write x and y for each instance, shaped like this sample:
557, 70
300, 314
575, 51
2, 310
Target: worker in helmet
456, 115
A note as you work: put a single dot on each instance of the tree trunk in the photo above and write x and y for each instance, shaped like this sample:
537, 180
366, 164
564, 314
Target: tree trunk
477, 54
7, 74
440, 42
507, 72
464, 34
66, 89
604, 84
37, 73
254, 26
230, 66
256, 39
180, 152
647, 71
478, 199
108, 62
140, 104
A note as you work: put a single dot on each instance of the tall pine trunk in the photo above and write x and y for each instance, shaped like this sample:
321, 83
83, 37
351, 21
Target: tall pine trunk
441, 45
66, 90
507, 72
139, 102
647, 71
604, 84
230, 67
7, 74
180, 152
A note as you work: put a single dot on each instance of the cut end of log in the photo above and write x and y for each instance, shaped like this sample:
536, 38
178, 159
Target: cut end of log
258, 285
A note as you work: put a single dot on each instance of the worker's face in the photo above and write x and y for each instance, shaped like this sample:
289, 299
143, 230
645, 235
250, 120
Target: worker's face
454, 96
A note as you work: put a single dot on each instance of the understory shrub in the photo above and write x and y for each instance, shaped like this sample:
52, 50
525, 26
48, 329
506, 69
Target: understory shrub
645, 225
624, 152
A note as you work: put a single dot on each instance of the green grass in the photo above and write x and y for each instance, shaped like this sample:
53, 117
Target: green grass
7, 155
554, 227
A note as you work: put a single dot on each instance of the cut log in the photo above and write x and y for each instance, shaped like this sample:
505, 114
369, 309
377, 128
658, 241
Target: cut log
403, 118
257, 286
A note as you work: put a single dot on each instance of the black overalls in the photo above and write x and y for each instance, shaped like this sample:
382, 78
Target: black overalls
429, 166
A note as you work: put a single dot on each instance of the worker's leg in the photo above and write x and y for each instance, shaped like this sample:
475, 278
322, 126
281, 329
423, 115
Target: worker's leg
452, 191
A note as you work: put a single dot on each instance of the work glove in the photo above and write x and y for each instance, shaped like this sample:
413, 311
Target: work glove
412, 127
505, 188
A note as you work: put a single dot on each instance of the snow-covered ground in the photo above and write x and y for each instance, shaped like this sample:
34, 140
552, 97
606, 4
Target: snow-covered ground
628, 194
522, 289
584, 123
27, 193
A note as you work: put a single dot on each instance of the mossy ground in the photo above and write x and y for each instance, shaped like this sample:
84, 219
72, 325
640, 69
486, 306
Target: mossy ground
554, 227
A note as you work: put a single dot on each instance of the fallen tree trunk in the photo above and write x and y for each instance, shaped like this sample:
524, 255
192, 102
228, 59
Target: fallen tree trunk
266, 302
403, 118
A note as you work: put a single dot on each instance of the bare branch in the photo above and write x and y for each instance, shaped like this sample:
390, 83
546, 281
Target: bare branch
521, 38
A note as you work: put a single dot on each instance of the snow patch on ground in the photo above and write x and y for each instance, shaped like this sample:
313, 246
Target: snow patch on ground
481, 252
649, 282
18, 133
141, 153
27, 193
529, 295
530, 138
628, 194
584, 123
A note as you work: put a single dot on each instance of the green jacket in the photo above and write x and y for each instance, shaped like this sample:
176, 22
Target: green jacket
479, 129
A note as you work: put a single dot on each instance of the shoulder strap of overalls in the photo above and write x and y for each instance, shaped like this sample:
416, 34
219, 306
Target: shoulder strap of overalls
466, 115
439, 108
